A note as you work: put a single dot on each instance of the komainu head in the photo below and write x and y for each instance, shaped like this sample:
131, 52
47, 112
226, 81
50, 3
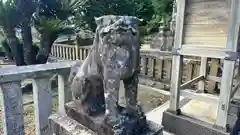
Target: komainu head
118, 43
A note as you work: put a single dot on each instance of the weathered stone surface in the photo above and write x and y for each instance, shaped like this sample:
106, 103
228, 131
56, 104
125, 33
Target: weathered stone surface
33, 71
115, 56
92, 94
68, 126
42, 96
12, 107
97, 123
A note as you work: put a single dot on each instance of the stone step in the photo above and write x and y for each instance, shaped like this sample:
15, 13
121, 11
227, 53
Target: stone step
64, 125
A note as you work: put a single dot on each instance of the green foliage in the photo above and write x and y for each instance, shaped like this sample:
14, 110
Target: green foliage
53, 26
61, 9
152, 11
58, 17
162, 7
36, 44
161, 16
55, 16
142, 9
84, 18
9, 17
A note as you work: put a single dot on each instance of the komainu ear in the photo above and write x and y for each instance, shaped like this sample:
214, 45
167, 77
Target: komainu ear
98, 20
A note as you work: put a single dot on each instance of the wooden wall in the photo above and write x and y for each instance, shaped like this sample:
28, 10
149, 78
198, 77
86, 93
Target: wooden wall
205, 23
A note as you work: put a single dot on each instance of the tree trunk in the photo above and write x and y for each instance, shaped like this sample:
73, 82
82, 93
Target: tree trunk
7, 50
16, 47
46, 42
29, 55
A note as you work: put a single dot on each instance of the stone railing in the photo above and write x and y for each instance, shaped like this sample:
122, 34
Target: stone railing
70, 52
12, 100
155, 64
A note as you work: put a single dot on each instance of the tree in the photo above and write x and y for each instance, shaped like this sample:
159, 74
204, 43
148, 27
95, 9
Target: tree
8, 22
151, 11
162, 12
51, 22
53, 18
143, 9
84, 18
26, 13
50, 30
49, 17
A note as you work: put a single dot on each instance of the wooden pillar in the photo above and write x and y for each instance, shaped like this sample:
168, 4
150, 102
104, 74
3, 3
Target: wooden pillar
203, 71
225, 93
177, 60
228, 67
175, 82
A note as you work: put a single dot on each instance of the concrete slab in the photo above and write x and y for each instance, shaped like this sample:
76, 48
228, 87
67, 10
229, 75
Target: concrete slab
184, 125
196, 109
61, 124
155, 115
201, 110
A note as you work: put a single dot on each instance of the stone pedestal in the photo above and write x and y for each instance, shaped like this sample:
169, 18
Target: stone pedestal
184, 125
97, 124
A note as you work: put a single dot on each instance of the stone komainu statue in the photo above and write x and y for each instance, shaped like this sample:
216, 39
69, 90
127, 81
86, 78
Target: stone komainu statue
114, 57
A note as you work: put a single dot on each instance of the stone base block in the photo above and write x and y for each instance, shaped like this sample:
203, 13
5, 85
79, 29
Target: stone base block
183, 125
64, 125
97, 124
